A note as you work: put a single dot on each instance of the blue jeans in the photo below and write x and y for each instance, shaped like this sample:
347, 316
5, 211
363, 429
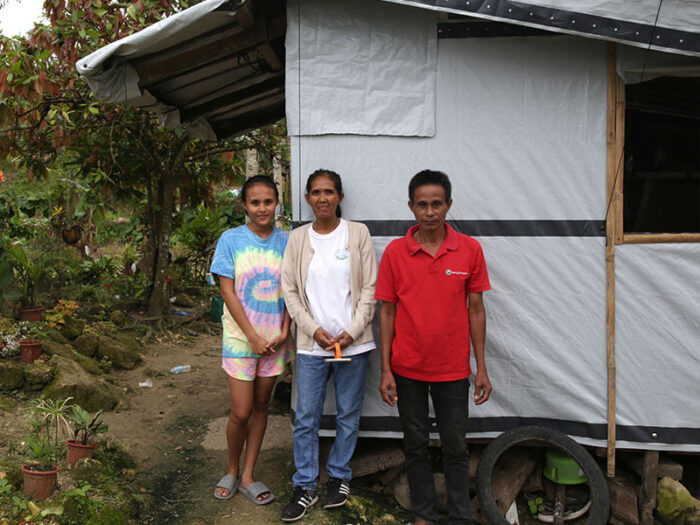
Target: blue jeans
312, 375
451, 404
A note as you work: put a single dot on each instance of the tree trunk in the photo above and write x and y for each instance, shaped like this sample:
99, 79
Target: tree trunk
159, 302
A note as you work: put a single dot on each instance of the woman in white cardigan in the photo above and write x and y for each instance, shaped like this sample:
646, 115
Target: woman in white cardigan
329, 274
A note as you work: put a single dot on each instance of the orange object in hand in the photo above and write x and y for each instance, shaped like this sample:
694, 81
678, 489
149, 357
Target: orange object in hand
338, 357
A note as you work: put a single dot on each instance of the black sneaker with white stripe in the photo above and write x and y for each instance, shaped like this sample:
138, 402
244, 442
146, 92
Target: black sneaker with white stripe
337, 492
299, 504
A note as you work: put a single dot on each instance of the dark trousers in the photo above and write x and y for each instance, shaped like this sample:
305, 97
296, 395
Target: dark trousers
451, 404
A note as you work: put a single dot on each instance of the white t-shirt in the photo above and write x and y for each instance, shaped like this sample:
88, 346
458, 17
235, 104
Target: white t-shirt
328, 287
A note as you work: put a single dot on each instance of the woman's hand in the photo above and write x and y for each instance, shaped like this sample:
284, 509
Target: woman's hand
344, 340
323, 338
259, 346
273, 343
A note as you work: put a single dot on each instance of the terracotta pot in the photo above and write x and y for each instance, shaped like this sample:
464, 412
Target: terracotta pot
29, 350
38, 484
31, 314
78, 451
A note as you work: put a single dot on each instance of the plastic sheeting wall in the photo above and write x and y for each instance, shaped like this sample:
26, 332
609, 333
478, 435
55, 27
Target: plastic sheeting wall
366, 68
657, 334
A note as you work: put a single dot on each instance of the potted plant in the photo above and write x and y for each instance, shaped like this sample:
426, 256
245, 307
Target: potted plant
30, 347
85, 426
29, 274
48, 420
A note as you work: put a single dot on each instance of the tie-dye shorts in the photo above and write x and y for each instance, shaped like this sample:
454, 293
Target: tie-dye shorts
248, 368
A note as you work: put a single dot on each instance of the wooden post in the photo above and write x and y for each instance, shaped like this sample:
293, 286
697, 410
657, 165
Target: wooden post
650, 477
613, 164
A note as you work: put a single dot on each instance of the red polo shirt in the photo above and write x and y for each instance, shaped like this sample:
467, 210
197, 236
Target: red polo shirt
431, 341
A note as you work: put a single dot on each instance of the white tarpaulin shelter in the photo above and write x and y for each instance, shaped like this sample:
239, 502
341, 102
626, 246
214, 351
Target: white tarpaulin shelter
520, 123
522, 104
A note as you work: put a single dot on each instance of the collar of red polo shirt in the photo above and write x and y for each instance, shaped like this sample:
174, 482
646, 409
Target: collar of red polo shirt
451, 242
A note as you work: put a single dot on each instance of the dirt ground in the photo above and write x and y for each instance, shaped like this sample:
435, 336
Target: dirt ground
175, 432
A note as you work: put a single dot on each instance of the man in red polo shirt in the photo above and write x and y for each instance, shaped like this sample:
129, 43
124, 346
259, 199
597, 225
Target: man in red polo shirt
430, 282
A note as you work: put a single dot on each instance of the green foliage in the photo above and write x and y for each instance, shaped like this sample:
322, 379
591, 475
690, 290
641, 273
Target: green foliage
48, 421
86, 425
40, 447
535, 505
32, 271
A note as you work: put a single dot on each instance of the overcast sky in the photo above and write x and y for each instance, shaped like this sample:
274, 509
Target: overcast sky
18, 16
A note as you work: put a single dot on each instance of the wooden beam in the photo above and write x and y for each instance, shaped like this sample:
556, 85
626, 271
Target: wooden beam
257, 103
610, 252
177, 64
233, 97
238, 126
641, 238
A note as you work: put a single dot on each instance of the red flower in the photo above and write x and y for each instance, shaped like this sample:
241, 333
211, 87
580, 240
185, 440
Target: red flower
2, 177
167, 279
108, 285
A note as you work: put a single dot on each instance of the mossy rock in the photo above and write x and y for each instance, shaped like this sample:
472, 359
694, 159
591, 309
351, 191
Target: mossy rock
121, 355
90, 365
86, 344
675, 505
87, 469
108, 515
90, 392
72, 328
11, 375
37, 376
118, 317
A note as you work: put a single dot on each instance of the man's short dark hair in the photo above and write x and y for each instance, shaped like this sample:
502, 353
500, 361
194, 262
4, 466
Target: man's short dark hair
430, 177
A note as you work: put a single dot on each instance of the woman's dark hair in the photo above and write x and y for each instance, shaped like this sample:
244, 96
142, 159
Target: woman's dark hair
259, 179
336, 182
425, 177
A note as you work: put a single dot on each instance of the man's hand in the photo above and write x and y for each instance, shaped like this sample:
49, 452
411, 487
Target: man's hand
387, 387
482, 387
259, 345
323, 338
344, 340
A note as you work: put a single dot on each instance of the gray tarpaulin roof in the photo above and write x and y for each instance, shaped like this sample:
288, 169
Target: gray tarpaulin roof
217, 67
663, 25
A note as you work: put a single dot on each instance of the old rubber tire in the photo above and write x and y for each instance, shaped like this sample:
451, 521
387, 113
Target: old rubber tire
598, 486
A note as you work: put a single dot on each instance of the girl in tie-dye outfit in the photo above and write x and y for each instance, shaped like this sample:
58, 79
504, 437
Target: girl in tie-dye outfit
256, 344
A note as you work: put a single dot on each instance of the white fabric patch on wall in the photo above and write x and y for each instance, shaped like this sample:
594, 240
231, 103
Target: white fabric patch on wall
366, 68
657, 334
520, 132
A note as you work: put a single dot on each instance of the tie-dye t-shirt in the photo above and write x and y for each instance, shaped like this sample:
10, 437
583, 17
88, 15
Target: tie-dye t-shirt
255, 264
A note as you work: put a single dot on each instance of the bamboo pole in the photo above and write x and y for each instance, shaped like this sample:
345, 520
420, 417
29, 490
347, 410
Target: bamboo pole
610, 230
641, 238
